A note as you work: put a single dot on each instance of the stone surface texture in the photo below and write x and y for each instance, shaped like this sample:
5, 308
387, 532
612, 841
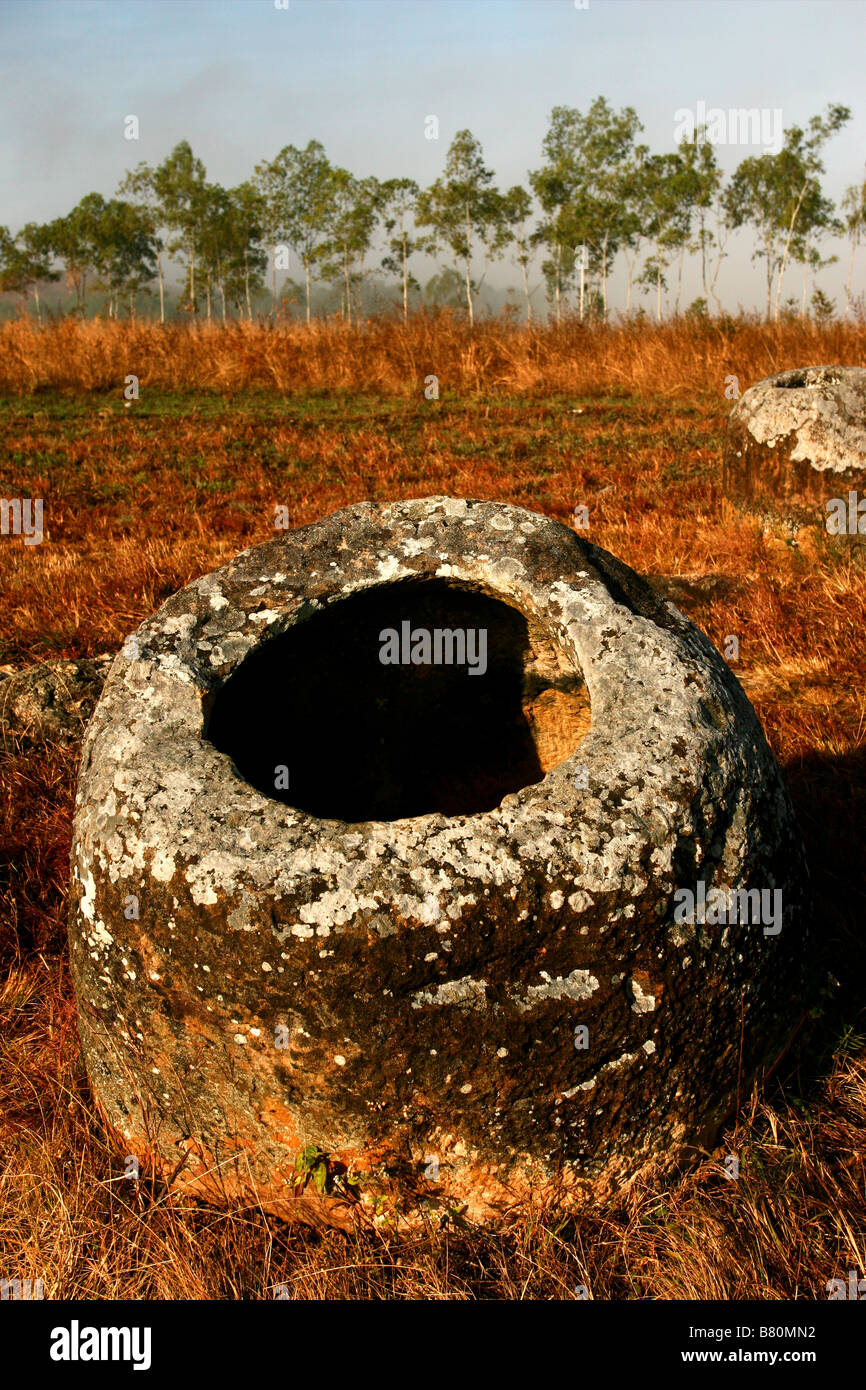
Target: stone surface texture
403, 993
799, 439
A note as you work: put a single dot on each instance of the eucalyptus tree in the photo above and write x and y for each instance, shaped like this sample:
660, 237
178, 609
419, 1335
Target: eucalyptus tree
353, 213
213, 243
26, 262
553, 185
75, 239
464, 210
296, 188
139, 185
125, 255
701, 167
634, 213
668, 196
582, 193
780, 196
516, 211
179, 184
247, 258
398, 199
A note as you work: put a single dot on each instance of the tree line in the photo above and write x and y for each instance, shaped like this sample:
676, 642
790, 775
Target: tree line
598, 194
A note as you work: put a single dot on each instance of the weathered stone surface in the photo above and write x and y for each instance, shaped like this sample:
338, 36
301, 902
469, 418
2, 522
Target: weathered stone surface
50, 701
390, 959
798, 439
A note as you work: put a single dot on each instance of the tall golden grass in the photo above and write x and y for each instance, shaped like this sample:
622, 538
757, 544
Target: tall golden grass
672, 358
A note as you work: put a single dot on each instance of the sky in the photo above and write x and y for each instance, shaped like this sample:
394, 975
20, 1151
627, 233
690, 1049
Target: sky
240, 79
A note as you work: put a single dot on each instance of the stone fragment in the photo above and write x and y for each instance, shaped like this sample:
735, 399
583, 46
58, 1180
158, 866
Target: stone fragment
49, 702
454, 934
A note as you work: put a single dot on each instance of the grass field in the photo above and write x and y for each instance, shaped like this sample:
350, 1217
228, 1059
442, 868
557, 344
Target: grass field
142, 497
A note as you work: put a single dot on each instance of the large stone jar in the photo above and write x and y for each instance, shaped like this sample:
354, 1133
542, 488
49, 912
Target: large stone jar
400, 853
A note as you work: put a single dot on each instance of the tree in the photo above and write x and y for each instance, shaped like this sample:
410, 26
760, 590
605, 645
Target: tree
398, 198
76, 240
213, 239
179, 183
296, 188
25, 263
247, 258
780, 195
582, 194
668, 195
463, 209
139, 183
854, 208
352, 216
516, 208
553, 185
124, 250
447, 290
632, 185
699, 161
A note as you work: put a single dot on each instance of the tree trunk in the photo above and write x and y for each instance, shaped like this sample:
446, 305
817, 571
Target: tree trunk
803, 299
721, 246
192, 279
405, 282
582, 280
39, 306
469, 294
247, 287
307, 274
348, 288
526, 292
161, 287
769, 280
468, 255
658, 294
784, 262
207, 297
850, 278
704, 259
604, 276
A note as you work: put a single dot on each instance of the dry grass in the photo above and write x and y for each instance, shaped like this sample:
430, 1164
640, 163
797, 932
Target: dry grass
676, 359
141, 499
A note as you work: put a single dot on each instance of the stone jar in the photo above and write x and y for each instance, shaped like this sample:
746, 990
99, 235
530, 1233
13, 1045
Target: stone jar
371, 913
796, 448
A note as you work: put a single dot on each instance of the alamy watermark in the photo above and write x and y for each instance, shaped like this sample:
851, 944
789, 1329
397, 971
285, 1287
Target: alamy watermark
21, 1290
854, 1289
846, 517
722, 906
77, 1343
22, 517
737, 126
441, 646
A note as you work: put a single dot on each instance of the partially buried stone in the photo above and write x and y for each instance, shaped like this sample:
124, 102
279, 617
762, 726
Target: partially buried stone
49, 702
351, 935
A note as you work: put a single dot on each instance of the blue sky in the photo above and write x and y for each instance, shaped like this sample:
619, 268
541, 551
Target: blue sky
241, 78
